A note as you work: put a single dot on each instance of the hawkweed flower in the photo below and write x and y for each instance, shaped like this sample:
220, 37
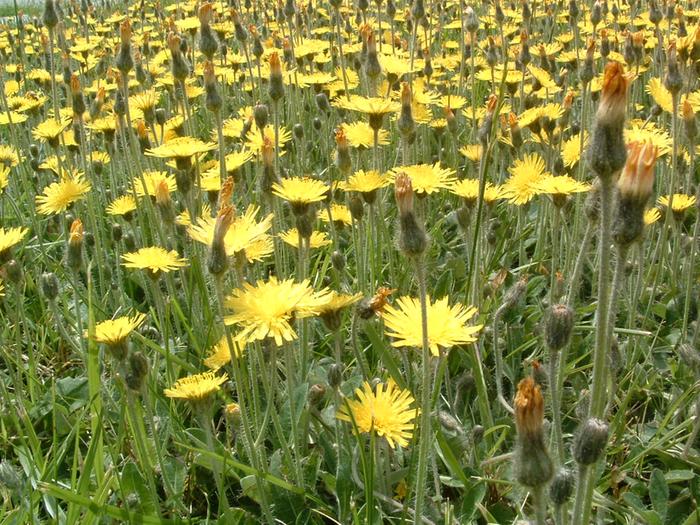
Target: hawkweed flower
447, 325
607, 152
300, 192
196, 388
385, 411
679, 204
155, 259
113, 333
331, 311
634, 187
533, 466
220, 354
9, 238
58, 196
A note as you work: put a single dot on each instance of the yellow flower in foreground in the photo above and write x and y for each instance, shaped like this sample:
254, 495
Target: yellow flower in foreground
155, 259
115, 331
317, 240
386, 411
59, 195
526, 174
180, 147
426, 178
267, 308
300, 190
447, 325
197, 387
122, 205
50, 129
681, 202
221, 353
9, 238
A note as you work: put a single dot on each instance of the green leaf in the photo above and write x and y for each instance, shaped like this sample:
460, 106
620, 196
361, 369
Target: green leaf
471, 500
658, 492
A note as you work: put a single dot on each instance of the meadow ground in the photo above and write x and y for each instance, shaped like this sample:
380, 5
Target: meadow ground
334, 262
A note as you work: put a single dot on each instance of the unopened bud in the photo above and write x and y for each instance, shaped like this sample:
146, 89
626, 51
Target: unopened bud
218, 260
562, 487
533, 466
558, 327
49, 285
590, 441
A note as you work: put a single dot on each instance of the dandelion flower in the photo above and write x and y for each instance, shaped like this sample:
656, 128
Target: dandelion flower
196, 387
651, 216
361, 135
560, 187
59, 195
447, 325
365, 182
115, 331
154, 259
526, 174
151, 180
180, 148
468, 189
267, 308
9, 238
681, 202
123, 205
427, 178
373, 106
340, 215
386, 411
50, 130
8, 156
300, 191
220, 354
317, 240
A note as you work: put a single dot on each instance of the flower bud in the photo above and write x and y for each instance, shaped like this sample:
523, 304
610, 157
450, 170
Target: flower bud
164, 202
471, 22
49, 285
607, 151
673, 81
558, 327
276, 86
218, 260
562, 487
342, 153
688, 115
590, 441
50, 16
533, 466
138, 370
74, 252
335, 375
13, 270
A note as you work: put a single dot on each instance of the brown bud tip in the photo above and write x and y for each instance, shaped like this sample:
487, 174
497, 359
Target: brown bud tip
226, 192
638, 39
209, 75
523, 36
205, 13
405, 94
529, 407
568, 99
687, 110
268, 152
340, 139
590, 48
614, 93
223, 222
125, 31
74, 84
141, 129
637, 179
275, 65
403, 191
513, 120
76, 233
162, 193
173, 42
491, 104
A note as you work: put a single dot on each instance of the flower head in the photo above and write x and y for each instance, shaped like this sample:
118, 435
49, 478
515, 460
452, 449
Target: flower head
154, 259
447, 325
637, 179
526, 175
386, 411
9, 238
427, 178
196, 387
220, 354
58, 196
115, 331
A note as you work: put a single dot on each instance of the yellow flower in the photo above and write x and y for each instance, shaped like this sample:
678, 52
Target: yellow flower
114, 331
660, 138
365, 181
50, 129
317, 240
267, 308
681, 202
526, 174
651, 216
468, 189
10, 238
8, 156
426, 178
245, 234
386, 411
150, 182
560, 186
337, 301
571, 149
121, 205
220, 354
4, 177
375, 106
300, 190
154, 259
12, 118
339, 213
254, 141
447, 325
196, 387
472, 152
552, 111
145, 101
59, 195
180, 148
361, 135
